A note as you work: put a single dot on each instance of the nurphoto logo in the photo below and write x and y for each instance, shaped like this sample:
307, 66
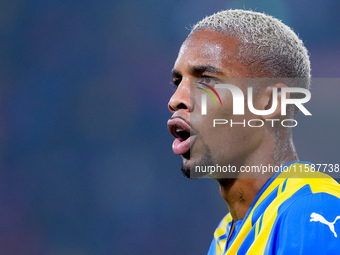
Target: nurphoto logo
240, 101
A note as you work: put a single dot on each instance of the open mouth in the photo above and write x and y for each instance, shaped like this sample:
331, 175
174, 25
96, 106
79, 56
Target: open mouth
180, 129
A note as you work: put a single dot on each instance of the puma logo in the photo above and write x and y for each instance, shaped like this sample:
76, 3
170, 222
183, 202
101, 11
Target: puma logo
319, 218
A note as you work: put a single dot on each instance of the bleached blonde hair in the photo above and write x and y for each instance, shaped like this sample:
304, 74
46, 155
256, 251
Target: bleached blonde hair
267, 46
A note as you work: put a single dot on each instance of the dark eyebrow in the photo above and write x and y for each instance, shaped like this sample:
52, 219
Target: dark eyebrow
207, 68
199, 70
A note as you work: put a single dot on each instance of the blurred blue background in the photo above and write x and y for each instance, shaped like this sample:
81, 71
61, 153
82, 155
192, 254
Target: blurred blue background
86, 165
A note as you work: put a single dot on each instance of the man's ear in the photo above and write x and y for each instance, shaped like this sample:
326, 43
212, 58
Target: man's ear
269, 96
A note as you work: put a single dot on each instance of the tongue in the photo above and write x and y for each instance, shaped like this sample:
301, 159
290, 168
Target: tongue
180, 147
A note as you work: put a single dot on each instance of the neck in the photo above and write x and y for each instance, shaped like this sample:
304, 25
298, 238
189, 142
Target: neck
240, 193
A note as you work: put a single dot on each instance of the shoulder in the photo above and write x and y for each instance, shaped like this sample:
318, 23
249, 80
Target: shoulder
219, 241
301, 193
308, 222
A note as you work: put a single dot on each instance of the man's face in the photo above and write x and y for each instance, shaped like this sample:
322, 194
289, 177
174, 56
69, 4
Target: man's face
207, 55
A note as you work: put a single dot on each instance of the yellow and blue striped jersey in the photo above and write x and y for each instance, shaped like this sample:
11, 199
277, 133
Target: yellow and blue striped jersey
292, 214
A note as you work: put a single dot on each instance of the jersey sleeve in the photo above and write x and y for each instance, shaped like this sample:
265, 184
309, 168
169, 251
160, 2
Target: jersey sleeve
309, 225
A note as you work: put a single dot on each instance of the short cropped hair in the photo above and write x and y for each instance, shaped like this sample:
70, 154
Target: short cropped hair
268, 47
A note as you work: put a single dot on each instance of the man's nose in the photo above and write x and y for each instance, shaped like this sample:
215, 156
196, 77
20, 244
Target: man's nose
181, 98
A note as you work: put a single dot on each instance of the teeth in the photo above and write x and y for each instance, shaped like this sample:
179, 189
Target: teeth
179, 130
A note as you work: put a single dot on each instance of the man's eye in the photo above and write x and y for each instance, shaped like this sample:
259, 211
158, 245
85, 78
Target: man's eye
208, 80
176, 82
